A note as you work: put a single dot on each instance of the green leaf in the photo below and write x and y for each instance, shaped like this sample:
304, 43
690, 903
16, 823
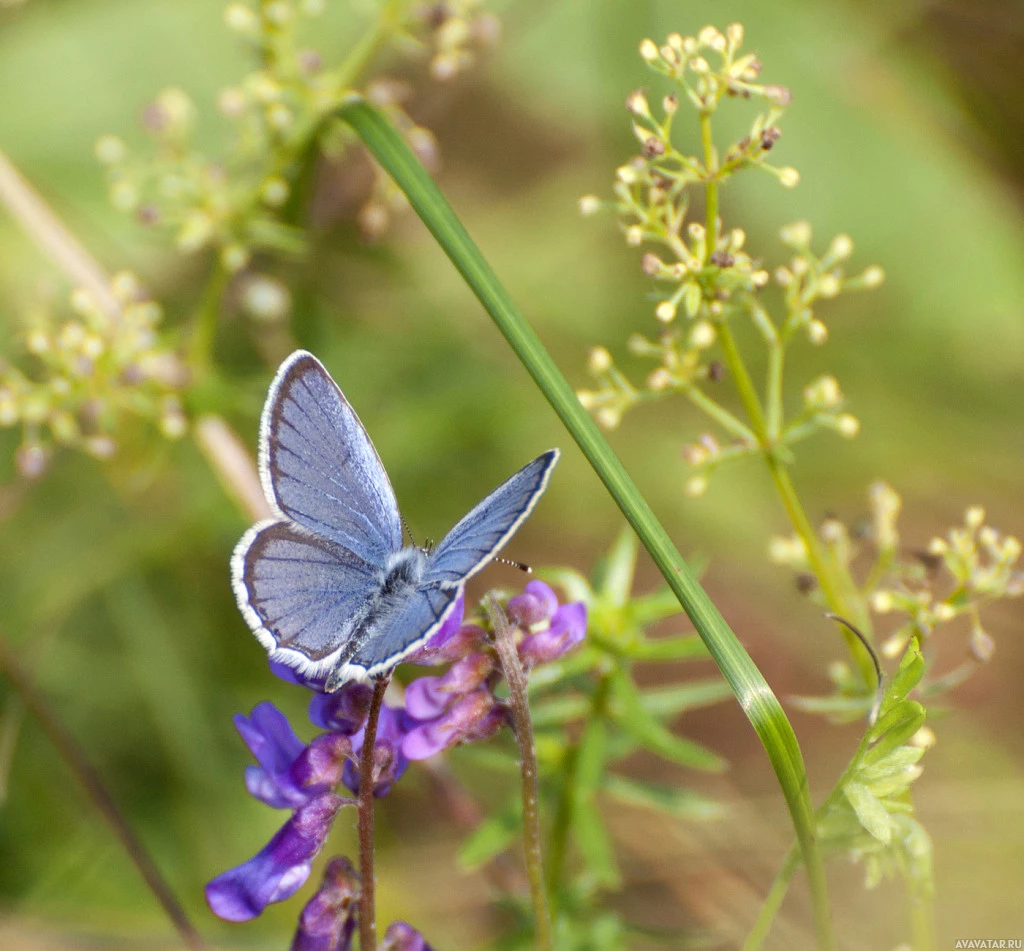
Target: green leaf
870, 812
683, 803
897, 761
493, 836
686, 647
559, 710
631, 716
613, 577
594, 843
906, 678
894, 729
692, 695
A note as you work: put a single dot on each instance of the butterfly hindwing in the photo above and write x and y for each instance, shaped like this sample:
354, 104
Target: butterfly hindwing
318, 466
481, 534
303, 596
406, 630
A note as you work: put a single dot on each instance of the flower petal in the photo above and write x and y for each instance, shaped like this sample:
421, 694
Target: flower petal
278, 870
328, 921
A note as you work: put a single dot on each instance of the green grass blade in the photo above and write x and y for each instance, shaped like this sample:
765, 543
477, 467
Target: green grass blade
751, 690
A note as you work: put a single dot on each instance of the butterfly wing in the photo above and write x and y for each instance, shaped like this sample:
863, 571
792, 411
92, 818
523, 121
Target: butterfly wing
481, 534
406, 630
303, 596
318, 466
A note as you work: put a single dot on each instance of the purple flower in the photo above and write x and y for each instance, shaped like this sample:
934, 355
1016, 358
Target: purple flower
567, 628
280, 868
451, 641
429, 697
459, 723
403, 937
537, 603
343, 711
328, 921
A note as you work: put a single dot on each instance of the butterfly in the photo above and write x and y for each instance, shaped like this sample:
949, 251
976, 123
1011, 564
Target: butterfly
327, 585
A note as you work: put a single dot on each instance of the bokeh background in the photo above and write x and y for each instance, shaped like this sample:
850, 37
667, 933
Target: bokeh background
907, 127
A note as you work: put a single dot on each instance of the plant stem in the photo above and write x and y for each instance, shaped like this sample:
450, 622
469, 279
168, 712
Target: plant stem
205, 330
367, 905
519, 704
773, 900
74, 756
755, 697
710, 188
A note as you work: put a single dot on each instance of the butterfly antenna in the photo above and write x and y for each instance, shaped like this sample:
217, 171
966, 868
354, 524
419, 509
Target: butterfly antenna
405, 525
526, 569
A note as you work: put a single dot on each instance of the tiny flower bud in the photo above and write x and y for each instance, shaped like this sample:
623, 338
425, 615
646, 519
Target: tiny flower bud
937, 546
277, 12
694, 454
588, 399
265, 299
634, 236
737, 238
31, 460
8, 409
696, 231
651, 264
589, 205
702, 335
944, 612
665, 311
599, 360
873, 276
636, 102
238, 17
196, 230
778, 95
100, 447
653, 147
627, 174
609, 417
974, 517
759, 278
734, 31
670, 104
828, 285
796, 235
109, 149
37, 342
881, 602
234, 257
817, 332
279, 116
649, 51
700, 66
789, 177
783, 276
660, 379
841, 247
848, 426
696, 486
1011, 549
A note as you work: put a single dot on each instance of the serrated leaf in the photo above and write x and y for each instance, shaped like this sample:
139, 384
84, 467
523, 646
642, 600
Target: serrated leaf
594, 843
898, 760
686, 647
493, 836
894, 729
692, 695
894, 785
908, 676
650, 733
683, 803
870, 812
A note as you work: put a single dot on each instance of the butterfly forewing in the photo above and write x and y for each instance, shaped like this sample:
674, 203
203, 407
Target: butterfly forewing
319, 467
478, 537
302, 595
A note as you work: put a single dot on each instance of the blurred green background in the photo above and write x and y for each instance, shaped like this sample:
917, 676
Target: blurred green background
907, 130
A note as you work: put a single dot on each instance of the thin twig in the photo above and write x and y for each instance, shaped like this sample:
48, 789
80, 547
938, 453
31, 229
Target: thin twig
88, 775
515, 677
231, 462
56, 241
367, 906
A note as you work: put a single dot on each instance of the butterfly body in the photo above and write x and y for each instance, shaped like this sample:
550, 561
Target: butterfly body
326, 585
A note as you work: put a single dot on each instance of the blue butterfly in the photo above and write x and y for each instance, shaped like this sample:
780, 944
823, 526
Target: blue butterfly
326, 585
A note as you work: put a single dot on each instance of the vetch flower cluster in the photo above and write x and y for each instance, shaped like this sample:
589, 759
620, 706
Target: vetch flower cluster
85, 373
436, 713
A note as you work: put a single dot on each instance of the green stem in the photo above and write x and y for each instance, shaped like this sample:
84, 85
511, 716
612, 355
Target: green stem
519, 704
756, 699
719, 414
205, 330
773, 901
773, 402
566, 808
369, 45
710, 188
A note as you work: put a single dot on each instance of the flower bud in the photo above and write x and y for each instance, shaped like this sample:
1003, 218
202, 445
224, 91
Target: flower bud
599, 360
589, 205
872, 276
841, 247
696, 486
110, 150
649, 51
848, 425
817, 332
636, 102
789, 177
665, 311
